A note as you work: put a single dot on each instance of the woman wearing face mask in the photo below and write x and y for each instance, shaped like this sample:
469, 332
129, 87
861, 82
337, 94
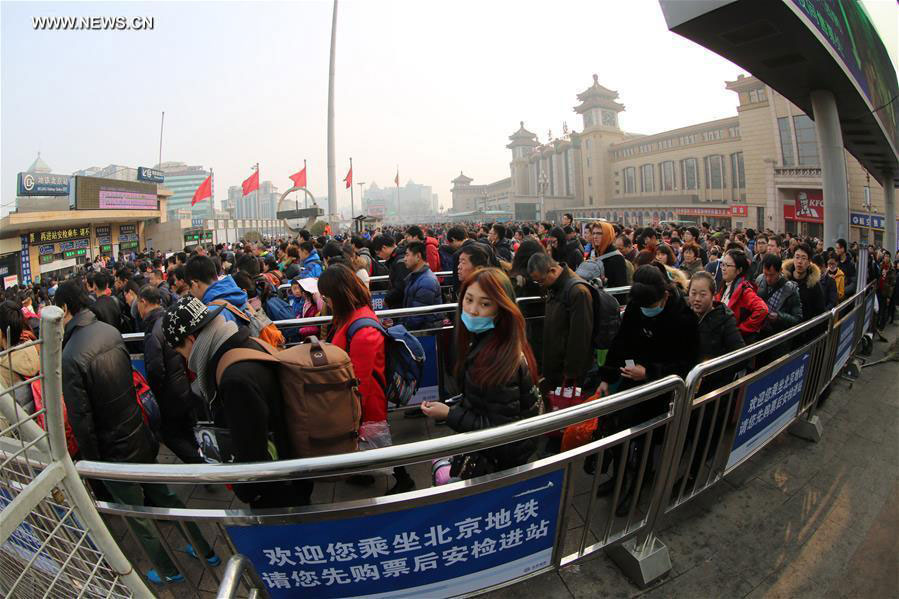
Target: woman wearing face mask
658, 334
496, 372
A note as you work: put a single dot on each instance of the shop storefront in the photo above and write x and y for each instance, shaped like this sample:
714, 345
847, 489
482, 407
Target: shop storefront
804, 213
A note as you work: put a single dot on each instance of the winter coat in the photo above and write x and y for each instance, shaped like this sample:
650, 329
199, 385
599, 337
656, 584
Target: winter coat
692, 269
829, 286
98, 388
397, 275
567, 332
250, 404
572, 254
422, 289
25, 363
108, 309
368, 355
446, 257
507, 401
790, 311
312, 267
748, 308
165, 296
810, 291
839, 280
850, 273
503, 250
310, 310
167, 375
615, 268
885, 283
433, 254
664, 344
226, 289
718, 333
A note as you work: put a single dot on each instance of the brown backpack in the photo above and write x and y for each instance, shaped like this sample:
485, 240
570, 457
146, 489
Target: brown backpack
320, 393
258, 321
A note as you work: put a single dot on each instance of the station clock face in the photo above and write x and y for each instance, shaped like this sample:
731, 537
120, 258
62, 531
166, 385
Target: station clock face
608, 118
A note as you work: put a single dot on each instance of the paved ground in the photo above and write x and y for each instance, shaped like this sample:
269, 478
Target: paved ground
799, 519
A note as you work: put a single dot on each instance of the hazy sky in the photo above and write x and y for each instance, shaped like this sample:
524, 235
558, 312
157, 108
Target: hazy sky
434, 87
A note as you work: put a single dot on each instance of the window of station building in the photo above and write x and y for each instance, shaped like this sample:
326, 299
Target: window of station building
806, 140
734, 131
714, 172
589, 181
757, 95
647, 178
630, 180
786, 141
689, 175
738, 180
589, 146
711, 135
666, 170
687, 140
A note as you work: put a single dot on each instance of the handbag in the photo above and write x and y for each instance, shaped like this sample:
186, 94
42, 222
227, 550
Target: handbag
472, 465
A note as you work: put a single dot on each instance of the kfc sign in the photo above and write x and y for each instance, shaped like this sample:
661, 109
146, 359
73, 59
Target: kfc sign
808, 207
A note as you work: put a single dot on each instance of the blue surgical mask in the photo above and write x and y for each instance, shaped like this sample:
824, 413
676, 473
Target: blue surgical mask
652, 312
477, 324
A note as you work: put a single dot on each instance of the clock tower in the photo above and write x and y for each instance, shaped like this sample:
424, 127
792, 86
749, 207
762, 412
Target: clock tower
599, 111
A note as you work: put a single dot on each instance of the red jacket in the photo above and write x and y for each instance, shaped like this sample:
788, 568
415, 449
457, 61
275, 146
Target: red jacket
749, 309
433, 252
369, 359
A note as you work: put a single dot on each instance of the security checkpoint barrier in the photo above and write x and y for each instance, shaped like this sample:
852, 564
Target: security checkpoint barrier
670, 458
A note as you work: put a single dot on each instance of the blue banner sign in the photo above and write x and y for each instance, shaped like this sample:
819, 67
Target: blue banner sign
151, 175
769, 404
25, 257
429, 389
874, 221
48, 249
378, 300
844, 344
43, 184
443, 549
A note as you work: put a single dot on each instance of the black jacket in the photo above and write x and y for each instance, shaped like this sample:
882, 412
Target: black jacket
248, 402
665, 344
503, 250
829, 287
615, 270
567, 332
167, 375
790, 311
718, 333
507, 402
108, 309
572, 254
397, 277
98, 388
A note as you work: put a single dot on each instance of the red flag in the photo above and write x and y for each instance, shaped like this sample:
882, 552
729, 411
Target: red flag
349, 178
299, 179
203, 191
251, 183
397, 179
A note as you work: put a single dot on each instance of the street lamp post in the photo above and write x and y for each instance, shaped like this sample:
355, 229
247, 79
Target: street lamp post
542, 185
353, 216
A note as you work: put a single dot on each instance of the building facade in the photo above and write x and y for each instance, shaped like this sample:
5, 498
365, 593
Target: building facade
183, 180
411, 201
756, 169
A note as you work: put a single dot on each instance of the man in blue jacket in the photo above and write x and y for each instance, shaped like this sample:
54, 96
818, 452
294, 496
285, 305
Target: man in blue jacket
205, 286
422, 287
312, 262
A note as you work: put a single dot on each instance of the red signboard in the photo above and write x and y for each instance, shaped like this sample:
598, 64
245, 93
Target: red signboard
724, 212
808, 207
739, 210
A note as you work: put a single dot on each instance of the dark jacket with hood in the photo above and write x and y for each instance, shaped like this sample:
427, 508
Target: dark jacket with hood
810, 291
167, 374
397, 277
664, 344
718, 333
567, 332
506, 402
108, 309
98, 389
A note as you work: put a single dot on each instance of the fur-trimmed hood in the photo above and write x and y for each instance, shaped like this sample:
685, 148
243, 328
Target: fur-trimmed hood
813, 277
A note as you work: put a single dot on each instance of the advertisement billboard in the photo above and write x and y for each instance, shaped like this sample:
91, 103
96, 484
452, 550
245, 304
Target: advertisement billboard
150, 175
808, 207
855, 44
93, 193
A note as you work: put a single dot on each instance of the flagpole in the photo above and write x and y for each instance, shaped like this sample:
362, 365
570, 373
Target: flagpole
258, 205
332, 172
161, 126
211, 187
397, 181
352, 201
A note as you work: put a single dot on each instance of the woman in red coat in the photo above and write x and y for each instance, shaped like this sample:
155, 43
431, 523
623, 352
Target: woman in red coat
349, 300
738, 293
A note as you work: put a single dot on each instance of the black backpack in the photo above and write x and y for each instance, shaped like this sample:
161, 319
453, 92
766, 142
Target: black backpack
606, 311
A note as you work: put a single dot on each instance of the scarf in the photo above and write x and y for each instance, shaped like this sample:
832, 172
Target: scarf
207, 343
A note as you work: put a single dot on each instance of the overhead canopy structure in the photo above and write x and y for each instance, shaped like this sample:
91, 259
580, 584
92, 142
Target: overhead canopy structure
827, 58
799, 46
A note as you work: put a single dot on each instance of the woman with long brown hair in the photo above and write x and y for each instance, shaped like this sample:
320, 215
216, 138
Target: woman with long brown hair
496, 371
349, 300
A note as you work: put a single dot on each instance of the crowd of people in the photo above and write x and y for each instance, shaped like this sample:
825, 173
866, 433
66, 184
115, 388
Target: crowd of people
694, 293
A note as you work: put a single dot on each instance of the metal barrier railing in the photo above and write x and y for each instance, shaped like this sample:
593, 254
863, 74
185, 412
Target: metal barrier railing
693, 436
240, 572
53, 543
